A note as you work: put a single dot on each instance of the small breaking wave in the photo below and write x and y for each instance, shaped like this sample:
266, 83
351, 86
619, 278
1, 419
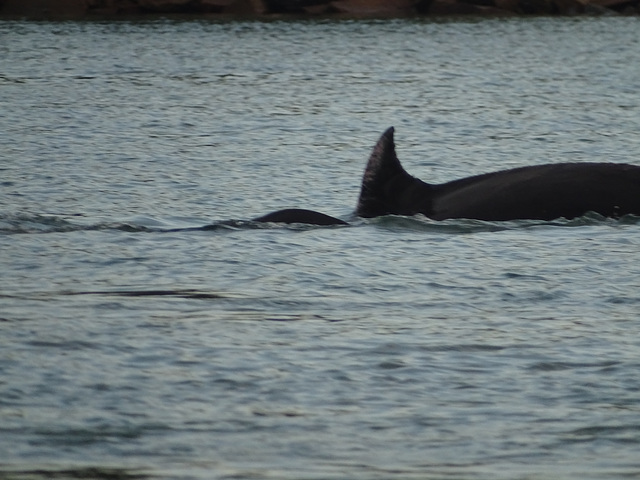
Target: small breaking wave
44, 223
47, 223
466, 226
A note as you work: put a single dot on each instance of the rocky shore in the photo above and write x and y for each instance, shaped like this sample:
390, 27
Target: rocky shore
43, 9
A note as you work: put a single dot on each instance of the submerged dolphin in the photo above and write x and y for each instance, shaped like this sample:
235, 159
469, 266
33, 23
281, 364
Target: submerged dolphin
300, 215
541, 192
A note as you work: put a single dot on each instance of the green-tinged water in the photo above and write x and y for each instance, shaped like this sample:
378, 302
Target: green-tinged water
148, 330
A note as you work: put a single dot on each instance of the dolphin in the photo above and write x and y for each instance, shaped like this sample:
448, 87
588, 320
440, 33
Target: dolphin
540, 192
299, 215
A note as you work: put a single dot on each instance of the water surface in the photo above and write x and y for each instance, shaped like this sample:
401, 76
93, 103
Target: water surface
149, 330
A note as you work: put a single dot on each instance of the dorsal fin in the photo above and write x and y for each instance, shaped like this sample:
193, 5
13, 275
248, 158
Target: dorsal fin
382, 167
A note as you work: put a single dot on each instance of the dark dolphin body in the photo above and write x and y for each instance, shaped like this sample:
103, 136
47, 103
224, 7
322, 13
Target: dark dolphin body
541, 192
300, 215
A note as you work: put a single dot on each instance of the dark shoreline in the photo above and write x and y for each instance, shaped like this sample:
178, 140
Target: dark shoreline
266, 9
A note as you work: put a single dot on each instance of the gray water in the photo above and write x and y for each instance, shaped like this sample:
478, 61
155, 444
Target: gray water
149, 330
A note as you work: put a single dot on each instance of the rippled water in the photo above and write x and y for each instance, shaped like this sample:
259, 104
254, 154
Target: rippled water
149, 330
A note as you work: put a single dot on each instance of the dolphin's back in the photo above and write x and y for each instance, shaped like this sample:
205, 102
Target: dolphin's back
299, 215
541, 192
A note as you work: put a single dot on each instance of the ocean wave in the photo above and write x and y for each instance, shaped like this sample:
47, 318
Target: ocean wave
465, 226
46, 223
